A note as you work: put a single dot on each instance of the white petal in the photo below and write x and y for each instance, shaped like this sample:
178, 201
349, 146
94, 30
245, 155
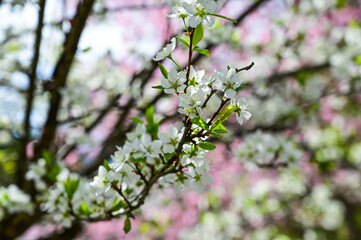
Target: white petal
218, 85
167, 148
169, 90
181, 88
230, 93
178, 188
211, 6
190, 8
165, 83
194, 21
230, 73
239, 119
208, 21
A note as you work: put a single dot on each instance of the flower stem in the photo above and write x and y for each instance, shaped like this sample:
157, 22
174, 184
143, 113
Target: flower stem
170, 57
189, 58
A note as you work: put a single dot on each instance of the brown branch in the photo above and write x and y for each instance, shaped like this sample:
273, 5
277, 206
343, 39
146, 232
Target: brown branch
144, 76
307, 68
61, 73
189, 58
22, 160
141, 7
245, 68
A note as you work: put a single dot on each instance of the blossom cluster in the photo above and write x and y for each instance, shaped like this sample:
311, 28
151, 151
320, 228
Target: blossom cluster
264, 149
70, 195
175, 157
196, 12
268, 199
14, 200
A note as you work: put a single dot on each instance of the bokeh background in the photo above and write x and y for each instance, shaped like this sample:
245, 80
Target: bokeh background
291, 172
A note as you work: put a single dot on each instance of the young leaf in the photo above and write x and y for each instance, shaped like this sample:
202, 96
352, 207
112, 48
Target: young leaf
217, 136
84, 209
106, 165
207, 145
71, 186
242, 87
183, 41
48, 157
358, 60
127, 225
203, 51
220, 129
87, 49
340, 3
224, 17
149, 115
118, 204
53, 173
198, 34
158, 87
198, 121
224, 115
163, 70
152, 126
136, 120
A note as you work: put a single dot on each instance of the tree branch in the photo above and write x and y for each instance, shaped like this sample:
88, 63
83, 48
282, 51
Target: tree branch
22, 160
61, 73
145, 76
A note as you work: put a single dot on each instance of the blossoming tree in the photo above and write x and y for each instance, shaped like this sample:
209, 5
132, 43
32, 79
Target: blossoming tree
264, 103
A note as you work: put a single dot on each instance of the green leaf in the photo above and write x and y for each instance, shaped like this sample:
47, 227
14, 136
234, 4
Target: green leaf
207, 145
198, 34
353, 24
358, 60
118, 204
13, 47
138, 160
106, 165
84, 209
152, 126
340, 3
242, 87
203, 51
224, 17
48, 157
224, 115
217, 136
167, 156
136, 120
220, 129
158, 87
144, 228
53, 173
153, 130
183, 41
71, 186
149, 115
303, 77
198, 121
87, 49
163, 70
127, 225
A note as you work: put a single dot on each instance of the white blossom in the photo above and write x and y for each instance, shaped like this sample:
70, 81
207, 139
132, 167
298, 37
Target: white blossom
175, 82
166, 51
190, 103
242, 110
196, 12
150, 148
199, 178
170, 139
228, 82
